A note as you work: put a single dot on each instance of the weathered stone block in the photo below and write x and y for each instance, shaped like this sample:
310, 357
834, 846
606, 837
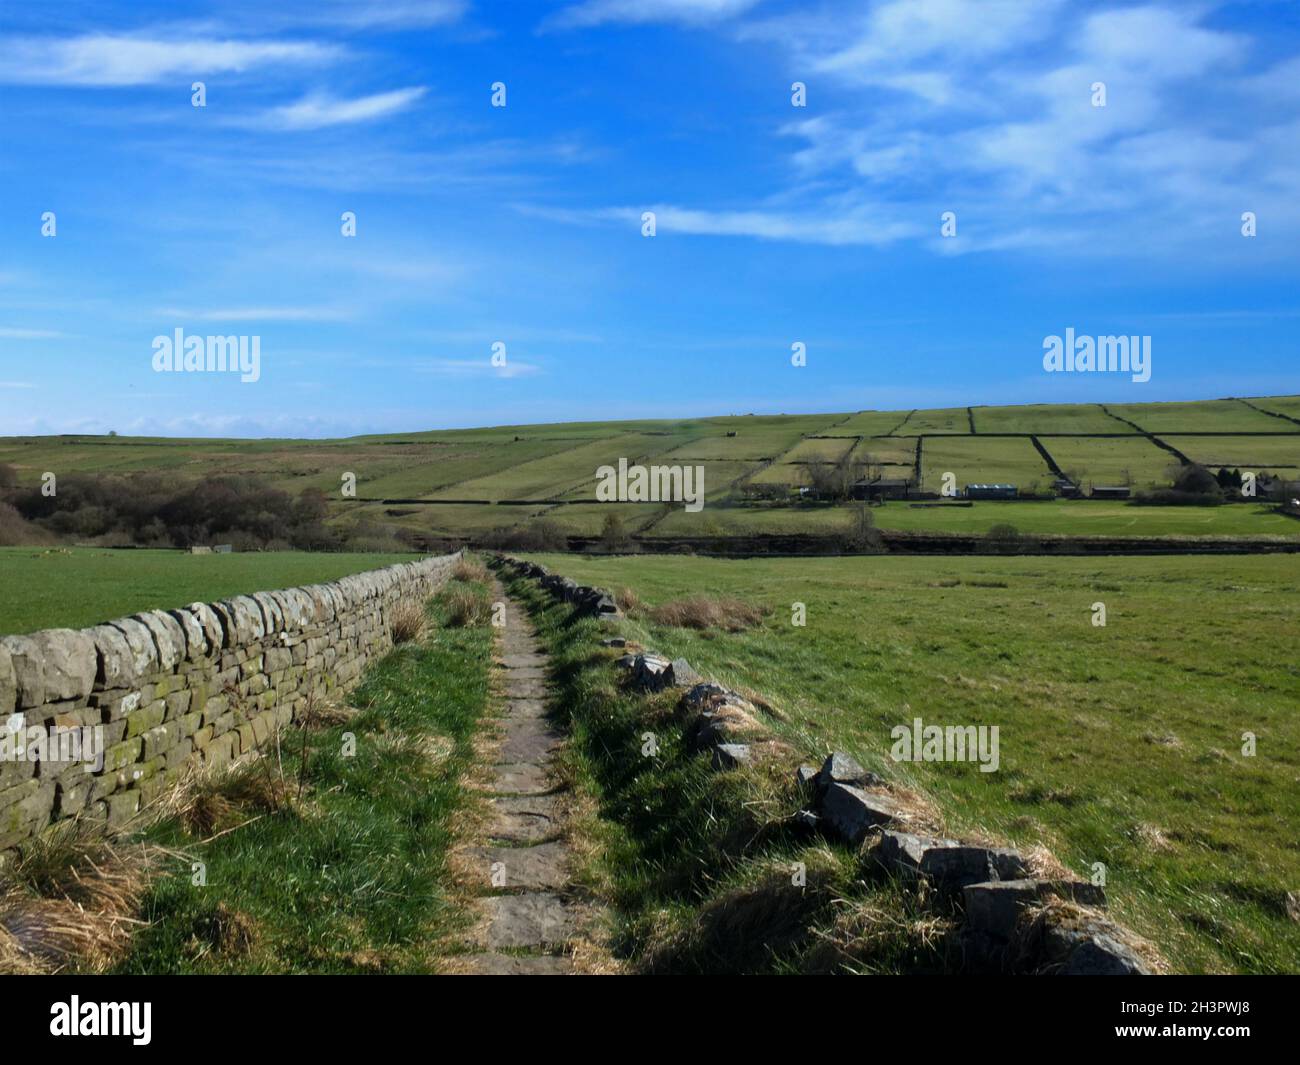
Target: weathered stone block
994, 907
28, 670
853, 813
121, 755
139, 638
122, 807
195, 639
178, 704
145, 718
8, 683
168, 637
730, 755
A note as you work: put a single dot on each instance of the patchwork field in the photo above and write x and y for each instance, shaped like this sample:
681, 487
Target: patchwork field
1121, 744
548, 464
78, 587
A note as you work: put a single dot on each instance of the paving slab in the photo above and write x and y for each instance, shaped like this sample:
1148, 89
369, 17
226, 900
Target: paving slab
515, 965
540, 920
521, 778
525, 819
528, 739
544, 867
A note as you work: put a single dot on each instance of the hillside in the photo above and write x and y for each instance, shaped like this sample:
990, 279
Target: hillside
466, 483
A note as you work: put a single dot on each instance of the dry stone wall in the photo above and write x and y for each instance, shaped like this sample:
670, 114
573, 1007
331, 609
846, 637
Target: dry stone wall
167, 691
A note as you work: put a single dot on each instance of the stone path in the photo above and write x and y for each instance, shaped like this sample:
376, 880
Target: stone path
523, 867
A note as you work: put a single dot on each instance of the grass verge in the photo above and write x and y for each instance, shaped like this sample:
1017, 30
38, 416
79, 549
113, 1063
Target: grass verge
328, 855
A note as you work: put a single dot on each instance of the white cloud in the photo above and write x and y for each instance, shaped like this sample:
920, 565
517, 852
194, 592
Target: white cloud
320, 110
477, 368
845, 224
16, 384
994, 126
689, 12
259, 314
119, 60
8, 333
381, 14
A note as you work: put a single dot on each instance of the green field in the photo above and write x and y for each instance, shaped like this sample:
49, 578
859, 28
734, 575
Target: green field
1087, 517
1216, 415
1133, 460
996, 460
1119, 744
1048, 418
1279, 455
78, 587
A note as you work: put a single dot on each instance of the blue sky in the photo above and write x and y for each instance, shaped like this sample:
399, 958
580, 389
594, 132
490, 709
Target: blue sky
522, 225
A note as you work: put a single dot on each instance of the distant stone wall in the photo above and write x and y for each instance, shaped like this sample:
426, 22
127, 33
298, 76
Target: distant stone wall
171, 690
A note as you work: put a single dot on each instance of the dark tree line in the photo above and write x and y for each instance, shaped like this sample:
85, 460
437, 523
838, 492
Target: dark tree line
153, 510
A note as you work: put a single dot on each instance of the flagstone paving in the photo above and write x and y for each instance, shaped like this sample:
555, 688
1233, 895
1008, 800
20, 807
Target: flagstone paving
523, 867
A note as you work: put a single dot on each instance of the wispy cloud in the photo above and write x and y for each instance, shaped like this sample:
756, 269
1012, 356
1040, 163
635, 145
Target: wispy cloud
378, 14
259, 314
8, 333
689, 12
16, 384
103, 59
476, 368
843, 225
320, 110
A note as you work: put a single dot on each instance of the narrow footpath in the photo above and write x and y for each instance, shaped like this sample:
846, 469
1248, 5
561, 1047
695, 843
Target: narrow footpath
530, 914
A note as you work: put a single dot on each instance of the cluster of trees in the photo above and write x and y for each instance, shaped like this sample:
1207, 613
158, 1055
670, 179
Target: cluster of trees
152, 510
835, 480
1194, 485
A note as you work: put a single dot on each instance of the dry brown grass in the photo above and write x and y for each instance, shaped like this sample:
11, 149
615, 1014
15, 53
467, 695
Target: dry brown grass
744, 922
867, 934
406, 621
465, 607
209, 803
328, 716
708, 612
628, 601
71, 900
228, 932
471, 571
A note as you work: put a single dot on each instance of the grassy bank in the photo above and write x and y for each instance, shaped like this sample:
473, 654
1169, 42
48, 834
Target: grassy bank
48, 588
704, 872
1120, 745
352, 876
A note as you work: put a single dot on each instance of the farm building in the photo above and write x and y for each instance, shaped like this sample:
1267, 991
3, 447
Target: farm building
991, 491
883, 488
1117, 491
